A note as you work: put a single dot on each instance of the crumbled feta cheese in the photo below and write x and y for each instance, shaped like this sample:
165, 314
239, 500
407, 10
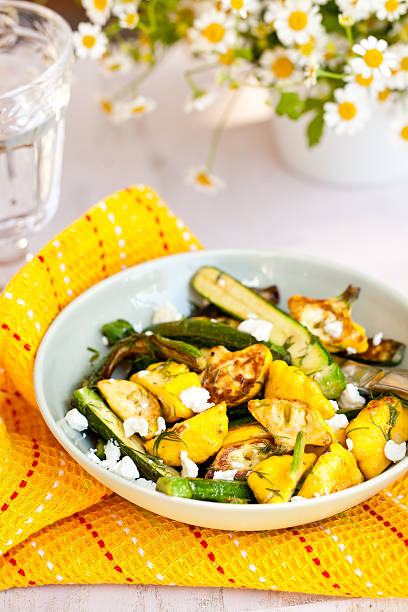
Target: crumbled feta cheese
188, 468
76, 420
334, 328
161, 426
138, 327
224, 474
91, 455
349, 444
339, 421
351, 351
334, 404
298, 498
142, 373
105, 341
351, 398
316, 494
165, 313
196, 398
378, 338
134, 425
239, 465
112, 454
148, 333
395, 452
126, 468
260, 329
146, 484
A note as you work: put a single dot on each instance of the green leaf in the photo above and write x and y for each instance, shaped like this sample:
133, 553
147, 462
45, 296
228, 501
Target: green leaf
315, 129
291, 105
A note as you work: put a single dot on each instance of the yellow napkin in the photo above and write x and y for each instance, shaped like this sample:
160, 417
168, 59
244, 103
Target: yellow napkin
58, 525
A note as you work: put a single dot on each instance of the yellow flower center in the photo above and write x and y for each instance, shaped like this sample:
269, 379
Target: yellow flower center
214, 32
307, 48
136, 110
114, 67
331, 51
227, 58
297, 20
404, 132
131, 19
363, 81
373, 58
391, 5
88, 41
100, 5
347, 111
203, 179
282, 67
237, 5
404, 63
106, 106
383, 95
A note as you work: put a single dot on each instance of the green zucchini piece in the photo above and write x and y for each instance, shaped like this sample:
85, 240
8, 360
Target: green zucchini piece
104, 422
206, 333
387, 353
100, 449
222, 491
305, 350
239, 415
117, 330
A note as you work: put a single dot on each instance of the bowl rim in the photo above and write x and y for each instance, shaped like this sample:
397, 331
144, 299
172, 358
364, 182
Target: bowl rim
398, 469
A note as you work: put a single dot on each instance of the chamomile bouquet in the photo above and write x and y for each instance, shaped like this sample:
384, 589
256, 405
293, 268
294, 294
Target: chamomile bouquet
333, 60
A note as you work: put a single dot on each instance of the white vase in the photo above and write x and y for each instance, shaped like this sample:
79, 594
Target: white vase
366, 158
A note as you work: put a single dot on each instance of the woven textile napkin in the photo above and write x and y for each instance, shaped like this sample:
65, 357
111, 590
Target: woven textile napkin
58, 525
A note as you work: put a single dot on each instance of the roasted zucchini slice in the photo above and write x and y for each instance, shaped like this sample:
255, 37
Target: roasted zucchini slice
222, 491
386, 353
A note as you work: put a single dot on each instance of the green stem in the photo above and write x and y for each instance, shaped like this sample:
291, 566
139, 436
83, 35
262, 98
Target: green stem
349, 35
219, 130
188, 74
152, 16
135, 83
330, 75
298, 452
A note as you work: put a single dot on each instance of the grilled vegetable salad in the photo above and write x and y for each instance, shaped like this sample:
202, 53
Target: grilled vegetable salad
241, 402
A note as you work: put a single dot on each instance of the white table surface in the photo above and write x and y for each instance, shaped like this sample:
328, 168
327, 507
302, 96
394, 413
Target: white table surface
264, 206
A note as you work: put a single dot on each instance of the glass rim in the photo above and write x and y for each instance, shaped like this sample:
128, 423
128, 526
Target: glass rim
63, 55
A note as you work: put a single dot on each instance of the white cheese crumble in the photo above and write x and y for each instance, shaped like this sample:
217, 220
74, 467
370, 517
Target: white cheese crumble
142, 373
239, 465
105, 341
351, 351
339, 421
298, 498
258, 328
76, 420
334, 404
134, 425
91, 455
161, 426
334, 328
146, 484
126, 468
224, 474
148, 333
378, 338
351, 398
196, 398
165, 313
112, 454
395, 452
188, 468
349, 444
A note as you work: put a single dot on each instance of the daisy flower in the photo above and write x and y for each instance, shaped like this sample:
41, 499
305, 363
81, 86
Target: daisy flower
349, 112
89, 41
200, 101
399, 130
278, 66
212, 31
375, 60
98, 11
202, 180
136, 108
296, 20
335, 49
106, 106
241, 7
399, 77
359, 80
391, 9
313, 49
355, 9
117, 62
120, 6
128, 20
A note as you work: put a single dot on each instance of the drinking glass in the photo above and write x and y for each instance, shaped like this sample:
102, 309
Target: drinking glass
35, 74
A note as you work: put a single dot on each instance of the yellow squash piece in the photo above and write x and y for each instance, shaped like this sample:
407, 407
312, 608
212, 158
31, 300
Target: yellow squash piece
284, 418
201, 436
128, 399
381, 420
273, 482
247, 431
319, 315
236, 377
289, 382
243, 456
166, 381
333, 471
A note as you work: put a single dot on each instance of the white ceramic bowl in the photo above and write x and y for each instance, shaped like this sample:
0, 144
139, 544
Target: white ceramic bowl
63, 359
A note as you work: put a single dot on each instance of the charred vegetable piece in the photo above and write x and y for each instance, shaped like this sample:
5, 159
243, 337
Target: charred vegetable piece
387, 353
103, 421
381, 420
305, 350
236, 377
166, 381
239, 415
330, 320
333, 471
222, 491
246, 431
206, 333
289, 382
243, 456
274, 480
201, 436
128, 399
270, 294
117, 330
284, 418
